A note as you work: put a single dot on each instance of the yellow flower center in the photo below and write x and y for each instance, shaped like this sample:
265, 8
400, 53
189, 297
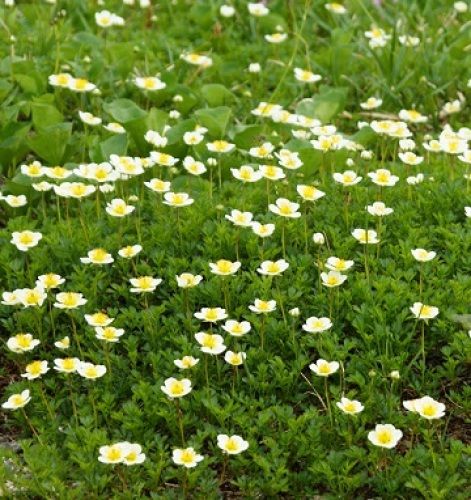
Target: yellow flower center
263, 306
429, 410
231, 445
187, 456
324, 368
81, 83
114, 453
237, 328
178, 199
383, 177
308, 191
35, 368
425, 310
91, 372
145, 282
109, 333
78, 189
224, 266
70, 299
99, 254
384, 437
23, 340
131, 457
286, 209
26, 238
68, 364
414, 114
220, 145
209, 341
177, 388
273, 267
62, 79
211, 314
349, 407
17, 400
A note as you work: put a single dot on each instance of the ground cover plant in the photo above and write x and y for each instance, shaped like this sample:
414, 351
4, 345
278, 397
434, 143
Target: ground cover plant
235, 249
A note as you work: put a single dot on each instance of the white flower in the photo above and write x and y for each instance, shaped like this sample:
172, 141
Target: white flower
144, 284
336, 264
348, 178
22, 342
129, 251
25, 240
97, 256
365, 237
113, 454
238, 218
35, 370
149, 83
193, 167
187, 457
383, 177
276, 37
333, 278
257, 9
69, 300
197, 60
15, 201
422, 311
211, 343
410, 158
385, 436
90, 371
154, 138
263, 230
371, 103
460, 7
306, 76
318, 239
17, 401
254, 68
379, 209
177, 199
63, 343
67, 365
236, 328
186, 362
89, 119
232, 444
174, 388
316, 325
235, 358
108, 333
115, 128
224, 267
423, 255
263, 306
350, 406
271, 268
428, 408
285, 208
324, 368
211, 314
226, 10
158, 185
246, 173
188, 280
32, 297
309, 193
119, 208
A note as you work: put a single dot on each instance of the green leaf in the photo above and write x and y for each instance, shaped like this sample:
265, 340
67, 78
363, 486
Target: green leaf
13, 147
124, 111
215, 119
45, 115
325, 105
51, 142
248, 136
216, 95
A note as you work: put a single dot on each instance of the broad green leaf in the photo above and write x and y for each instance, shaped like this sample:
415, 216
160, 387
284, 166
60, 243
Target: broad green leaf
124, 111
51, 142
5, 88
13, 147
116, 145
45, 115
215, 119
248, 136
216, 95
